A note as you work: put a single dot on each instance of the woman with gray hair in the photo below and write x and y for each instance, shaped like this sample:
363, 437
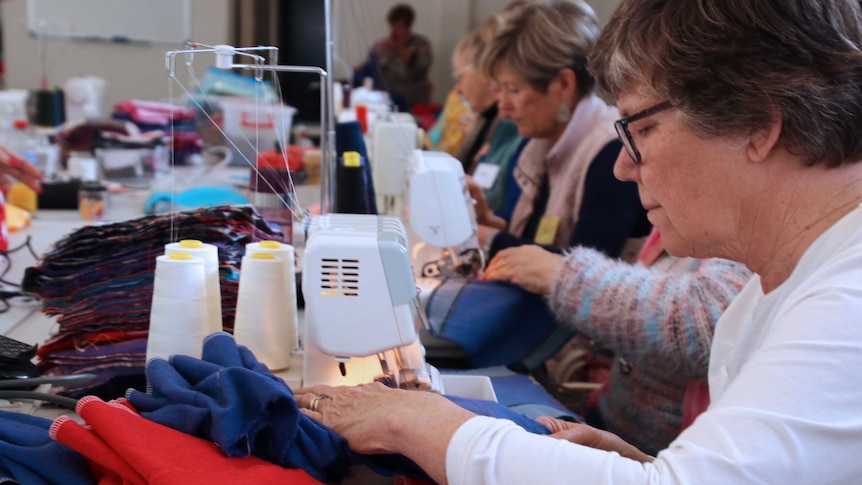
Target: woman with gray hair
741, 129
568, 194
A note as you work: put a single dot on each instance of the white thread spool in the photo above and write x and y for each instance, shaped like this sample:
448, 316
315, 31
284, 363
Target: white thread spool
286, 253
209, 253
261, 310
178, 316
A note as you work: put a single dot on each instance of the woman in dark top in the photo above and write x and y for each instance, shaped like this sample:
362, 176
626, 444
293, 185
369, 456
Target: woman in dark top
569, 195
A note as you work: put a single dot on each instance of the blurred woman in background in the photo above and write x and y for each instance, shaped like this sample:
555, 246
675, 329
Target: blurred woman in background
568, 194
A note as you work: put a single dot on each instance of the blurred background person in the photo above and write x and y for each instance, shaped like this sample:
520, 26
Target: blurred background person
492, 143
400, 62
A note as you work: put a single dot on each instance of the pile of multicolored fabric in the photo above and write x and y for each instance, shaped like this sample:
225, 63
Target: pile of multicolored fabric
98, 282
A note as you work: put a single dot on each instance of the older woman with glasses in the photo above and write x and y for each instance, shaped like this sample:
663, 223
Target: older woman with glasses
566, 192
756, 160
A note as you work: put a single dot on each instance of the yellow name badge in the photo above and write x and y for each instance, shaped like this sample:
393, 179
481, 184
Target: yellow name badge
351, 159
547, 231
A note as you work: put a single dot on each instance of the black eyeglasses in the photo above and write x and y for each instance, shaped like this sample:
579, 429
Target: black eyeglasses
625, 135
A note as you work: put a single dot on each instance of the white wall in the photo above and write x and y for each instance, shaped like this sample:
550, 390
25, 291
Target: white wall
131, 71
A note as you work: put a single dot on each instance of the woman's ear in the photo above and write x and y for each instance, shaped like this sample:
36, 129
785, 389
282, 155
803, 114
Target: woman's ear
763, 141
567, 82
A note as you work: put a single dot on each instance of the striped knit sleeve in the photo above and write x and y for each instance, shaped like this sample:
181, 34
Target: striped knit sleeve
669, 309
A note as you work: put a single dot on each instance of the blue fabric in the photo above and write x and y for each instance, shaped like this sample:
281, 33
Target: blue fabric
519, 392
496, 323
29, 456
497, 410
161, 202
227, 396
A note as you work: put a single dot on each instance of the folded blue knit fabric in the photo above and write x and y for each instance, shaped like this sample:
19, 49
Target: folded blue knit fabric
29, 456
227, 396
496, 323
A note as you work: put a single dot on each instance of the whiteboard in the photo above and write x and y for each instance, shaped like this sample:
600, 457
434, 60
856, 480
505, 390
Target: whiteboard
134, 21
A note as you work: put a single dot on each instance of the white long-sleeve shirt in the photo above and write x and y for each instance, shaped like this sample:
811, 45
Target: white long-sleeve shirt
785, 379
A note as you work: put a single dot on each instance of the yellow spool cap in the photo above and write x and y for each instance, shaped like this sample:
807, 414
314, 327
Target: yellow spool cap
270, 244
262, 256
191, 244
180, 256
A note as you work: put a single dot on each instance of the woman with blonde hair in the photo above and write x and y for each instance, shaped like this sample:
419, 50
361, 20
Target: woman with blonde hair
568, 194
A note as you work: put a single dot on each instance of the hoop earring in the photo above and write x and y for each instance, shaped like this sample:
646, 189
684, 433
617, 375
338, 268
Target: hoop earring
563, 114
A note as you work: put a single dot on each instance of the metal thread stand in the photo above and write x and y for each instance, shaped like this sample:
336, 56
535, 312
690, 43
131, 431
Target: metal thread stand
224, 60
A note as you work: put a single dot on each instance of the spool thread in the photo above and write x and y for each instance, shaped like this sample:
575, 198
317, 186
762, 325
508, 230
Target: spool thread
178, 314
265, 319
209, 254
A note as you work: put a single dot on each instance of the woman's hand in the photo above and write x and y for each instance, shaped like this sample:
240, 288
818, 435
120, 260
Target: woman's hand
480, 203
353, 412
376, 419
484, 215
586, 435
531, 267
14, 166
373, 417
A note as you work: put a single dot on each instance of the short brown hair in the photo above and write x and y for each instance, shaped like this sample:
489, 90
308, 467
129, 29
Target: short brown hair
401, 13
539, 39
732, 66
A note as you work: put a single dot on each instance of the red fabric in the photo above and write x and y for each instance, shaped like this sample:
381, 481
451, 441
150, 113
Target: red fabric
4, 231
124, 448
426, 114
694, 401
652, 248
106, 465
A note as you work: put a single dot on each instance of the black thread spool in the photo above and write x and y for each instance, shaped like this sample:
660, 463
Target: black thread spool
49, 107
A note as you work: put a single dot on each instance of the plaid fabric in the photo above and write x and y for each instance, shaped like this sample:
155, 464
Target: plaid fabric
98, 283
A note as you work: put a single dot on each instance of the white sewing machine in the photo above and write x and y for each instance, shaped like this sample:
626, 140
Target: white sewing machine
440, 212
394, 138
361, 308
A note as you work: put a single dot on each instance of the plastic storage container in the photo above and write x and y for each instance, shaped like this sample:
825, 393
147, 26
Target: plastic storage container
21, 141
92, 201
252, 127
